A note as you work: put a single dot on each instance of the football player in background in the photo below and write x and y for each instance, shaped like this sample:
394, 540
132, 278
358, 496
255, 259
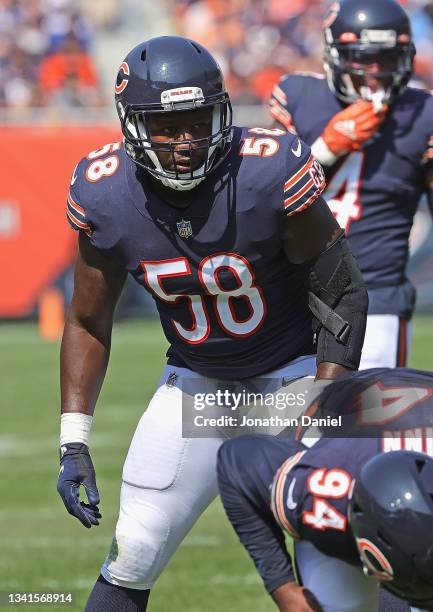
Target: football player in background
226, 228
373, 136
357, 507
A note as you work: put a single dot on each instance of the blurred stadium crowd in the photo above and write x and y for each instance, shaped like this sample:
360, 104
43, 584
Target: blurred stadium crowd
46, 52
257, 41
49, 53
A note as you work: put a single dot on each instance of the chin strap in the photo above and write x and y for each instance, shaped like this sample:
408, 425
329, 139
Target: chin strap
172, 183
179, 184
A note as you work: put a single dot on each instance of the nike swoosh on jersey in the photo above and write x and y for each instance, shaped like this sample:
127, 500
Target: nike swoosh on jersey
291, 504
297, 152
74, 176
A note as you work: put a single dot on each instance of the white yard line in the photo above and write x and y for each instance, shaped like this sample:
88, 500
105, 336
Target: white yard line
50, 542
194, 541
226, 579
14, 445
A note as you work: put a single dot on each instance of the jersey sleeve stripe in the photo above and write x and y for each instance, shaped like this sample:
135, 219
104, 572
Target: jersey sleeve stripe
277, 493
279, 486
298, 195
304, 187
281, 115
306, 204
77, 224
299, 174
75, 206
279, 95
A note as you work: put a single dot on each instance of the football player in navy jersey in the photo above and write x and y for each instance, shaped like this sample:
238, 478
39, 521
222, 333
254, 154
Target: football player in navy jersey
358, 507
227, 230
373, 136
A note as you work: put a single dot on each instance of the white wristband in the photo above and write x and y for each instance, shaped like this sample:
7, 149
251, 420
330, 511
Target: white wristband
323, 153
75, 427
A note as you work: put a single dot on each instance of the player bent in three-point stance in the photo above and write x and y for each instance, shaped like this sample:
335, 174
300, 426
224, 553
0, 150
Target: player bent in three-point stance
226, 228
373, 136
350, 504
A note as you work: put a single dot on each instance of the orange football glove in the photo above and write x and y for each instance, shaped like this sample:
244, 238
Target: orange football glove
349, 129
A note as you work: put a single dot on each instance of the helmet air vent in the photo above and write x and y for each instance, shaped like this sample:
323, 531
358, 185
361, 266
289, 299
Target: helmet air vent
420, 463
196, 47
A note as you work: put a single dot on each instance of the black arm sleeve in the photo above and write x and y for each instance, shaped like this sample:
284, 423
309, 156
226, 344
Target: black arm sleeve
254, 524
339, 302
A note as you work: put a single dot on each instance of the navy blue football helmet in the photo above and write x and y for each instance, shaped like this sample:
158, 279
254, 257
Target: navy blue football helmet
171, 74
366, 39
391, 515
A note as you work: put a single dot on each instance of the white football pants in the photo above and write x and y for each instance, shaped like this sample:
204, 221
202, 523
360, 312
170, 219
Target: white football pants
338, 586
386, 342
167, 482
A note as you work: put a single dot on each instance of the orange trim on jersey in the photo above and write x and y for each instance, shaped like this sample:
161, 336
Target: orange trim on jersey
299, 193
279, 94
283, 519
402, 344
281, 115
74, 219
79, 223
75, 206
299, 174
277, 505
306, 204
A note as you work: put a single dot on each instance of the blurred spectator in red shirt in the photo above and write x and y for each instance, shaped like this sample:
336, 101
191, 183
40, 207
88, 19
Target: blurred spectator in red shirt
54, 33
69, 77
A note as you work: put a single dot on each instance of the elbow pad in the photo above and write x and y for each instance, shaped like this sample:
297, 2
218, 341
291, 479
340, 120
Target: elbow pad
338, 300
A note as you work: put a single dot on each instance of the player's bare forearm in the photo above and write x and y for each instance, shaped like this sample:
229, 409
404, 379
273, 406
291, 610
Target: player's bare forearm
291, 597
330, 371
83, 363
87, 335
429, 187
311, 232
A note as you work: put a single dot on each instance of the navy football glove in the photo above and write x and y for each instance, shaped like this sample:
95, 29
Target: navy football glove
76, 468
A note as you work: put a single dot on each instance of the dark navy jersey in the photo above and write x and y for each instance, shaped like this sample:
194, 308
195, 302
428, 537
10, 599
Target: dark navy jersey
310, 494
393, 405
311, 490
269, 485
374, 192
230, 303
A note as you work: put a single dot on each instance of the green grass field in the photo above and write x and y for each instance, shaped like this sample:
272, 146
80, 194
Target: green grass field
45, 549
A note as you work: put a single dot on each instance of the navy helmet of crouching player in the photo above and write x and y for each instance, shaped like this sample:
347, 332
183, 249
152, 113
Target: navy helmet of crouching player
368, 50
172, 74
391, 515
